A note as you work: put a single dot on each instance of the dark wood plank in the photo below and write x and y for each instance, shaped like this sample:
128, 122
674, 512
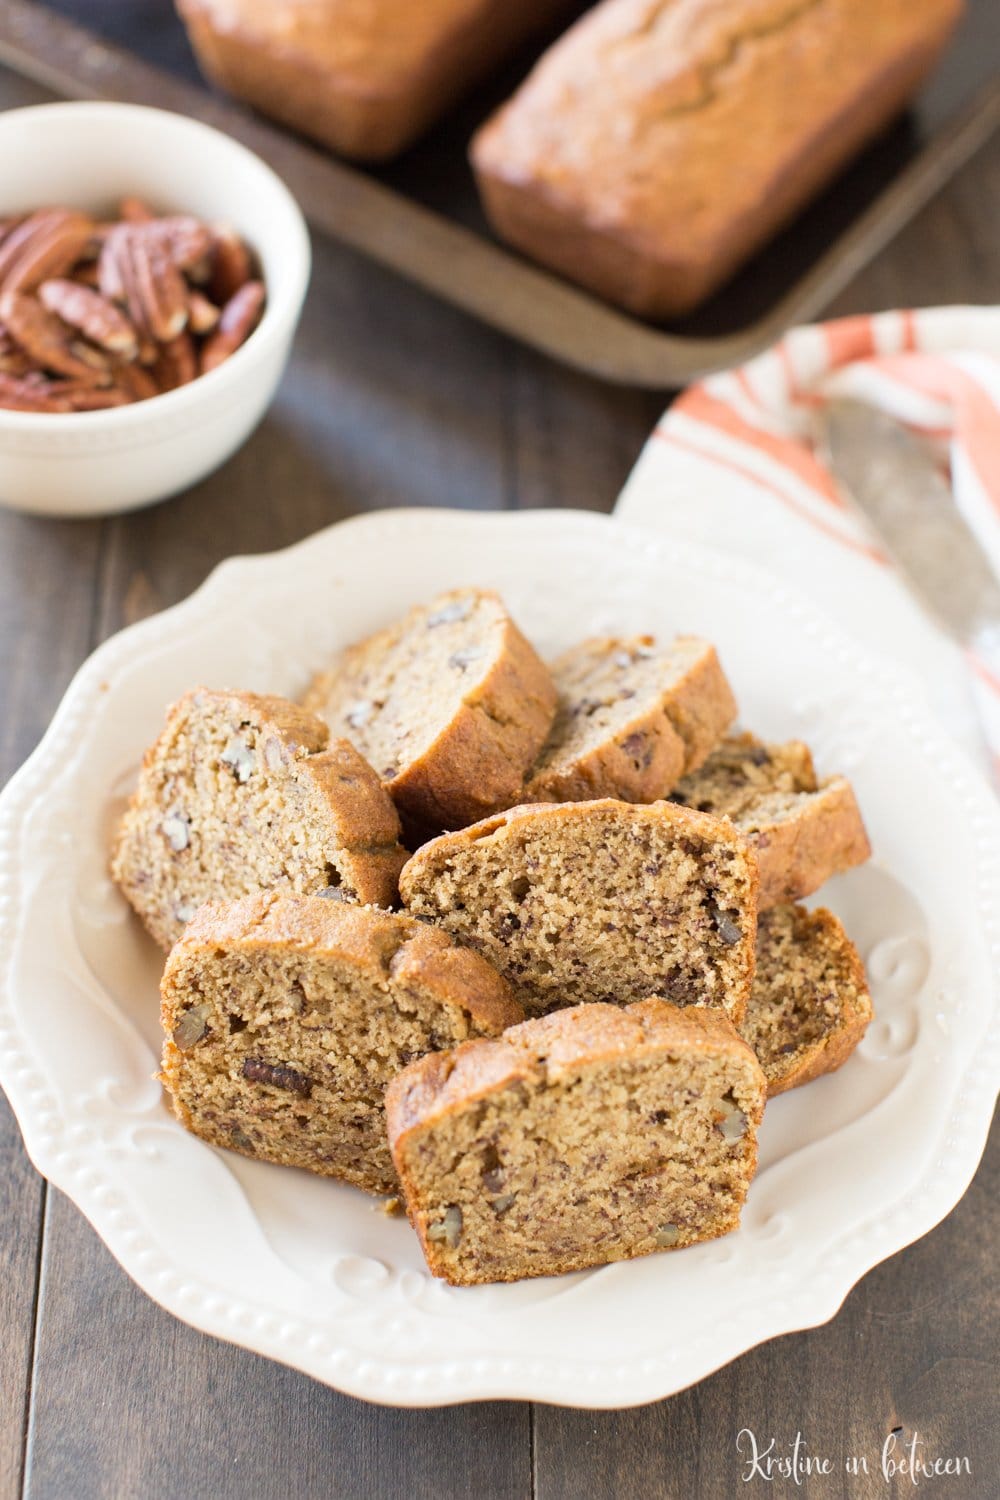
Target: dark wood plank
46, 617
133, 1405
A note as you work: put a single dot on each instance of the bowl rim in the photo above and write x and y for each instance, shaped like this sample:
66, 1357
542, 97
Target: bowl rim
281, 308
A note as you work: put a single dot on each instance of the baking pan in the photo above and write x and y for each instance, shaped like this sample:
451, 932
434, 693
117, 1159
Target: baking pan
419, 217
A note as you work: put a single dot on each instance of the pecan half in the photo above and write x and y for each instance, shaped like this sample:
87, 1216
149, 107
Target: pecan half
136, 267
91, 398
136, 382
134, 210
95, 316
239, 318
42, 336
13, 360
47, 243
176, 363
232, 267
31, 393
279, 1076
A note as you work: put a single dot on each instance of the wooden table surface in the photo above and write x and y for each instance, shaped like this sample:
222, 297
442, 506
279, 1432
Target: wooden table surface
393, 399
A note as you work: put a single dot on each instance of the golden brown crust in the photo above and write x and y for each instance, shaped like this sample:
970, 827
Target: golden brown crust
543, 1048
487, 738
362, 825
644, 157
364, 78
375, 942
827, 836
478, 761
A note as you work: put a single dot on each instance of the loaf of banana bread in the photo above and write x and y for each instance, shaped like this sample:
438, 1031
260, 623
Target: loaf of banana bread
365, 77
660, 143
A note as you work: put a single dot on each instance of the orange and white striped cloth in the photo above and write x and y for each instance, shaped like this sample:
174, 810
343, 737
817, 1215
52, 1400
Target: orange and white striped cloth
732, 464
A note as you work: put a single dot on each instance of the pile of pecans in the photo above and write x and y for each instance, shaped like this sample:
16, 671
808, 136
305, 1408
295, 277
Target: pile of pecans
99, 314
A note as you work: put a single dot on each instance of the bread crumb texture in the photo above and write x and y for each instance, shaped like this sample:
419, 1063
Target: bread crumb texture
592, 1135
243, 793
284, 1018
598, 901
810, 1005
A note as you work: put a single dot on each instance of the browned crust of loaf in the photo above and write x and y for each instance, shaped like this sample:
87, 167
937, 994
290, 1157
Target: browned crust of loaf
701, 706
478, 760
545, 1048
678, 728
830, 1052
378, 943
796, 855
363, 817
621, 259
365, 113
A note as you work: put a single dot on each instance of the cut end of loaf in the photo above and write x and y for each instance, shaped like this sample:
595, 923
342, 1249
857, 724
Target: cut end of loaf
242, 793
591, 1136
803, 831
285, 1017
810, 1005
598, 901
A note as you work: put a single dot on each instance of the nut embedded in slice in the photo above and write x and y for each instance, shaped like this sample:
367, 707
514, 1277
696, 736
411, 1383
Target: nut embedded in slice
598, 901
244, 793
593, 1135
633, 717
803, 830
286, 1016
809, 1006
450, 705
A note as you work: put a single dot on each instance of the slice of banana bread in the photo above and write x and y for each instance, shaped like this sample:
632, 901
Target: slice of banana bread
803, 830
285, 1017
243, 793
451, 705
592, 1135
809, 1006
633, 717
607, 901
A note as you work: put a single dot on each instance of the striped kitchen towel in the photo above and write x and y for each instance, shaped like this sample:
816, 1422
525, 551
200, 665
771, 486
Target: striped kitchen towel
732, 464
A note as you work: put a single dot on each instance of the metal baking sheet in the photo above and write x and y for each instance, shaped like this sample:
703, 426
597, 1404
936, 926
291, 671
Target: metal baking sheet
419, 217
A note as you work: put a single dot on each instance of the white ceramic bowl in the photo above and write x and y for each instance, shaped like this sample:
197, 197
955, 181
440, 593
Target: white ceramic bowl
89, 156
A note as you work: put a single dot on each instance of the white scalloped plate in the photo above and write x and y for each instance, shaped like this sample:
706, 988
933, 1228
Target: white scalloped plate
310, 1272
